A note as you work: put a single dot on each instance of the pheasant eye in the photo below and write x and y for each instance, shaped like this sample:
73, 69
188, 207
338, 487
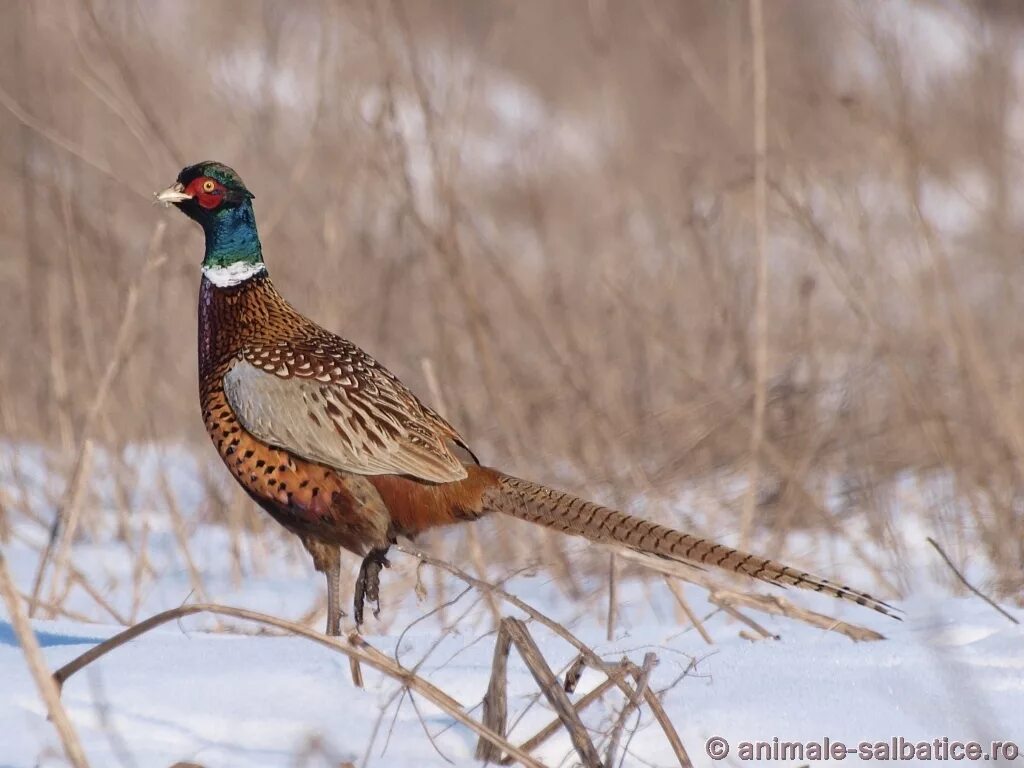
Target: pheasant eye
209, 193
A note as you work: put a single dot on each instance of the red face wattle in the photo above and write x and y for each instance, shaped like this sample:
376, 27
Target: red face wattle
209, 193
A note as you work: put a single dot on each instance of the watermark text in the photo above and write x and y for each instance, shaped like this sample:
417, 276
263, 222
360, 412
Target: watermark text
896, 748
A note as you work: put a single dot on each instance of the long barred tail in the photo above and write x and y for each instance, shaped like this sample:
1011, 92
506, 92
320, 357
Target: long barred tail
564, 512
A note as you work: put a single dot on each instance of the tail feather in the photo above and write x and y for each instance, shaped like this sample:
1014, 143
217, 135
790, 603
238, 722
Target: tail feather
564, 512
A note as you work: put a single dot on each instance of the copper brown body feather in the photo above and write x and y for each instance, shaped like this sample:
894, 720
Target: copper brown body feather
335, 448
309, 498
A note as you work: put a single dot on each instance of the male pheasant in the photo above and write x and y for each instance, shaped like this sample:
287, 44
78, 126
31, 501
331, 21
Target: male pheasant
339, 452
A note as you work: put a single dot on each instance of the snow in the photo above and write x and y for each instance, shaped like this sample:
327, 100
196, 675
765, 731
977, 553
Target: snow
230, 693
953, 669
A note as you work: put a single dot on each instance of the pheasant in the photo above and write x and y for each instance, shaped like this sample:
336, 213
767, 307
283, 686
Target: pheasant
337, 450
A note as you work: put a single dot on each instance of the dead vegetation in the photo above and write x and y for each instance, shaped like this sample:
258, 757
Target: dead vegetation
555, 227
471, 192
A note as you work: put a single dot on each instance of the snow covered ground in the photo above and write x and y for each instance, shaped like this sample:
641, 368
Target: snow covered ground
954, 670
238, 695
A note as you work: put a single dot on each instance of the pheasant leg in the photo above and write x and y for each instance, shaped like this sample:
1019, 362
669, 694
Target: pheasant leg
334, 612
368, 583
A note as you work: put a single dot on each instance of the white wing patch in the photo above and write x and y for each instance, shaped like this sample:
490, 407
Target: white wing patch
322, 422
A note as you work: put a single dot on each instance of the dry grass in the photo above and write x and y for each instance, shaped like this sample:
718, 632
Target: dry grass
555, 218
554, 226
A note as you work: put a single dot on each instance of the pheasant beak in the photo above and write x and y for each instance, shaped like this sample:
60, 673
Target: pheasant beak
173, 194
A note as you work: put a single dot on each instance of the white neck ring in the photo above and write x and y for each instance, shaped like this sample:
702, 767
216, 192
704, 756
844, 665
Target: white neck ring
234, 273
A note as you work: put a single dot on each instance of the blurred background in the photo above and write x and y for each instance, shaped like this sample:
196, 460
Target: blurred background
543, 220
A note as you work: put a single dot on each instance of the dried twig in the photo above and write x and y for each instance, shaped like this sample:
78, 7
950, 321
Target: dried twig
654, 704
613, 597
48, 689
355, 670
552, 728
496, 699
779, 606
5, 526
726, 605
66, 517
632, 704
552, 691
52, 136
684, 604
79, 578
966, 583
59, 610
573, 674
63, 530
772, 604
181, 537
358, 649
585, 651
472, 540
761, 235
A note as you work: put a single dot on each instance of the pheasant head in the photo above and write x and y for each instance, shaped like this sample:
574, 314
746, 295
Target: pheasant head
216, 197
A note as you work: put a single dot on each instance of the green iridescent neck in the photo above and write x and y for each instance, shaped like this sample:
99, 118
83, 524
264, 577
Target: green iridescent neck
231, 237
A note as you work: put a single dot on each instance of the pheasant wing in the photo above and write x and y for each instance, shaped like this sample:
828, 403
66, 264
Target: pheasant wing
328, 401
